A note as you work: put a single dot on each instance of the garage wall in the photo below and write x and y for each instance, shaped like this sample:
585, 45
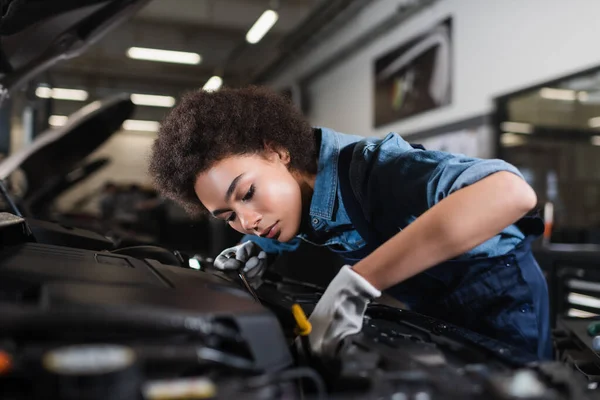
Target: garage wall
499, 47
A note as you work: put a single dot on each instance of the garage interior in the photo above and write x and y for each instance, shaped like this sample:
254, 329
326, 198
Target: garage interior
109, 289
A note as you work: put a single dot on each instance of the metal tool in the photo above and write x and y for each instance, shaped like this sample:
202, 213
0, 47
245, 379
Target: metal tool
245, 282
249, 288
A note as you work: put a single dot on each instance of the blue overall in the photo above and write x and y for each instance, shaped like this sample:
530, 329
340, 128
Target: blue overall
503, 297
369, 189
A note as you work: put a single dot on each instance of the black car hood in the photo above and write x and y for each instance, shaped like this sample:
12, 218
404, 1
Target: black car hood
36, 34
58, 151
20, 14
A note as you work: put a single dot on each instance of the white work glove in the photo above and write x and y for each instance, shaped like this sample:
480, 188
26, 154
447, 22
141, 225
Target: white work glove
247, 257
339, 312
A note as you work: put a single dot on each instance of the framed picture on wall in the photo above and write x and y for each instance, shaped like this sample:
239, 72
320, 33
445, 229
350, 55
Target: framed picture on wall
414, 77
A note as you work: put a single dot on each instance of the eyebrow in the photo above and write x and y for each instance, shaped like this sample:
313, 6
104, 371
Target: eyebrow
228, 194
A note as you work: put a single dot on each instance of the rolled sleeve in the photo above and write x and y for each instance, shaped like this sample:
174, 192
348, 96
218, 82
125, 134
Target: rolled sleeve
398, 183
456, 172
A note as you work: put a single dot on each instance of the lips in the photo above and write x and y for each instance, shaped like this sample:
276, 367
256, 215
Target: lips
271, 231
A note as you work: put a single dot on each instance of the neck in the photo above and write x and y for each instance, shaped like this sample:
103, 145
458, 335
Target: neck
306, 181
307, 184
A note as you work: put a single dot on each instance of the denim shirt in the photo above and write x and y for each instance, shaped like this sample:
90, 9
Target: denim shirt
394, 184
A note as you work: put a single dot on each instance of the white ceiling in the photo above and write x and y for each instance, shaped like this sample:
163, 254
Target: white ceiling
233, 14
216, 29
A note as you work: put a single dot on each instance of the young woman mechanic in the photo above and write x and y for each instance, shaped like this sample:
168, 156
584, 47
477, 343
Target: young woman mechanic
446, 234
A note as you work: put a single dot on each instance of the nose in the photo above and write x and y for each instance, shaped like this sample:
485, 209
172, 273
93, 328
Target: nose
249, 220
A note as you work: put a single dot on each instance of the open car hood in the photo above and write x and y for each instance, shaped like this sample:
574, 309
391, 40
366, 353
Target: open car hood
36, 34
59, 151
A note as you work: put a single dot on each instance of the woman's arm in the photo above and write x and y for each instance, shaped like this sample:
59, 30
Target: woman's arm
457, 224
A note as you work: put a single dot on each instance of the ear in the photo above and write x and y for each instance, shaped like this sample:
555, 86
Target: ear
277, 153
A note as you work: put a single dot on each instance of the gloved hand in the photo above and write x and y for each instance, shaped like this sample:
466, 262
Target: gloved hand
247, 257
339, 312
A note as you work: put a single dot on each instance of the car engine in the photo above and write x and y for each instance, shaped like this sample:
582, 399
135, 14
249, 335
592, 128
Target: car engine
86, 324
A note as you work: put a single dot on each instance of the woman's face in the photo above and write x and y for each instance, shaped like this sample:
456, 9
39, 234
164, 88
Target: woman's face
255, 194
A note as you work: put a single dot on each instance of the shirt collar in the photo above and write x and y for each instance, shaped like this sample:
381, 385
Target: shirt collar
325, 190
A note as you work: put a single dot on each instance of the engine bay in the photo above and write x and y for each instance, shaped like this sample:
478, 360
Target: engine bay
82, 323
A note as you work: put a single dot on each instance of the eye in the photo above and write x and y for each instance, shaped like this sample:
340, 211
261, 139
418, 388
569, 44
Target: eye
249, 194
231, 218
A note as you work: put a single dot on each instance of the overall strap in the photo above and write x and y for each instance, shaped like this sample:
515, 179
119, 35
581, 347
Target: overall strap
353, 208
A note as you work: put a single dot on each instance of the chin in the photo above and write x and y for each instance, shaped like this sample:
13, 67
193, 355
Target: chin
284, 238
287, 236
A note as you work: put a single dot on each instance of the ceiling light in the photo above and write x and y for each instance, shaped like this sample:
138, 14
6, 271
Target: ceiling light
519, 127
558, 94
583, 300
589, 97
141, 125
214, 83
583, 285
152, 100
262, 25
583, 96
61, 93
177, 57
594, 122
510, 139
572, 312
43, 92
57, 120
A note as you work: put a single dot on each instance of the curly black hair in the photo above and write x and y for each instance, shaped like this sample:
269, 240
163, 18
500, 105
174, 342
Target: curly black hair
206, 127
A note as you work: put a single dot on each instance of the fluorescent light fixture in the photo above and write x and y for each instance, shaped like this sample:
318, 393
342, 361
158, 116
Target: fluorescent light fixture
262, 25
594, 122
558, 94
573, 312
141, 125
177, 57
583, 285
61, 93
152, 100
57, 120
590, 97
43, 92
583, 300
510, 139
214, 83
518, 127
595, 140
